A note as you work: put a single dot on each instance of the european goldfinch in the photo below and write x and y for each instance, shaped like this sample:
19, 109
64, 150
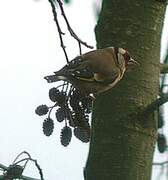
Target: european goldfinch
96, 71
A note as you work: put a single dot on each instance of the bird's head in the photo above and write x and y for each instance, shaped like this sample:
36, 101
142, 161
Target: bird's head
129, 61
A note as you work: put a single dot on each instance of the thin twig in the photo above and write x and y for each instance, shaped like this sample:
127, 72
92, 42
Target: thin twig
164, 75
163, 68
59, 29
15, 162
73, 34
24, 152
154, 106
36, 164
22, 177
25, 159
51, 108
3, 167
39, 169
158, 102
65, 86
160, 163
80, 48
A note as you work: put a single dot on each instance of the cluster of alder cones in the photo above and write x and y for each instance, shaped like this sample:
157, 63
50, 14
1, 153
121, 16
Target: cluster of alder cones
70, 107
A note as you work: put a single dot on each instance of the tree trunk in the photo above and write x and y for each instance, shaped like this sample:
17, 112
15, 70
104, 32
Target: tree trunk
122, 142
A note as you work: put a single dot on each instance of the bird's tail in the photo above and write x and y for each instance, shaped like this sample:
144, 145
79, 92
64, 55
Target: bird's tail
54, 78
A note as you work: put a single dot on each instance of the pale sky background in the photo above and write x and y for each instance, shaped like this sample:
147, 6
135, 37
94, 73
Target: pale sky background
29, 50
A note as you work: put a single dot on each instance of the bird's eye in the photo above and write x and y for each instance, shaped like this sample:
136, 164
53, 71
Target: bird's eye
126, 56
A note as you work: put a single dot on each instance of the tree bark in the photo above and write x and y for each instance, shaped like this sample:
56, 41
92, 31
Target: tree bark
122, 142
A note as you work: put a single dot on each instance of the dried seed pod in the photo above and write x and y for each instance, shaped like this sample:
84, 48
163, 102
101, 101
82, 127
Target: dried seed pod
48, 126
62, 99
83, 134
54, 94
66, 135
60, 114
41, 110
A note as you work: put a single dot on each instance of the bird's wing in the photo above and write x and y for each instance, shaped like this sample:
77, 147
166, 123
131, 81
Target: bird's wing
78, 69
85, 73
84, 70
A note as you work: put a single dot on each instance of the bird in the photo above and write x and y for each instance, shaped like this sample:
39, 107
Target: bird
96, 71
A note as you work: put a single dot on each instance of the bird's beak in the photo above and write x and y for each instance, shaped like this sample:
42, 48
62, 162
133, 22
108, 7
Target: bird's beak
133, 62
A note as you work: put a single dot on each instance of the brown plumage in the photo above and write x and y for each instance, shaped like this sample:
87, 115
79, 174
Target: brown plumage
95, 71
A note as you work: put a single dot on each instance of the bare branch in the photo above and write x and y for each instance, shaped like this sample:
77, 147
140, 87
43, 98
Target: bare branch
160, 163
163, 68
59, 29
6, 168
157, 103
36, 164
24, 152
39, 169
73, 34
3, 167
28, 178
